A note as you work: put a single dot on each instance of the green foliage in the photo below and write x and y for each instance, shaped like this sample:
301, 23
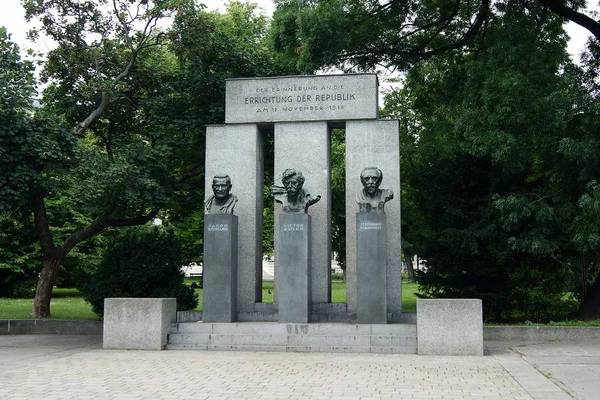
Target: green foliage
338, 193
19, 258
141, 262
489, 198
311, 34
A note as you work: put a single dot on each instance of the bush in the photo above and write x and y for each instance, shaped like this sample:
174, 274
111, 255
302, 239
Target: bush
142, 262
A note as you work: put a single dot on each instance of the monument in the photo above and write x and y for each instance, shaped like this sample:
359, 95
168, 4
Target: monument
301, 111
294, 247
220, 253
371, 263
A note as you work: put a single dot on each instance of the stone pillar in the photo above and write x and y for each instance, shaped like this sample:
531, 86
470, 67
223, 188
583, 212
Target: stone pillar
237, 150
374, 143
305, 146
220, 268
294, 268
371, 262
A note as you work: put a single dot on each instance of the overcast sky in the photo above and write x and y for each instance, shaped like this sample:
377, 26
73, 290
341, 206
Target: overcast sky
11, 16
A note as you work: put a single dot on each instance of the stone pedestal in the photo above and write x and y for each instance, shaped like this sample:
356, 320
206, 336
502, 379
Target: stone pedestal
294, 268
371, 266
220, 267
237, 150
305, 146
374, 144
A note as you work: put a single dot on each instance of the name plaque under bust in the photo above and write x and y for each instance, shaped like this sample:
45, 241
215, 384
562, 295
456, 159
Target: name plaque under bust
301, 98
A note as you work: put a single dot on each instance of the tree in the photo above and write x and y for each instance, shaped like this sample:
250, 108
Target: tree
102, 49
394, 34
494, 195
136, 99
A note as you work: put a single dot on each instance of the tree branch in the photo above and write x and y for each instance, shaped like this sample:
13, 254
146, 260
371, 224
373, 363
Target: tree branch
580, 19
100, 225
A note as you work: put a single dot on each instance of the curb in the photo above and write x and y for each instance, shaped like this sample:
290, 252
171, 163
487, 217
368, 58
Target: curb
524, 333
50, 326
88, 327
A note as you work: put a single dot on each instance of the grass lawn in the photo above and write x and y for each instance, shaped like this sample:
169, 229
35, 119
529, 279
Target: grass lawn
68, 304
65, 304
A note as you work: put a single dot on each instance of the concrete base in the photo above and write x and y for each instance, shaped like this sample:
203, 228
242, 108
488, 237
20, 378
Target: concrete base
137, 324
315, 337
220, 267
450, 327
371, 268
294, 268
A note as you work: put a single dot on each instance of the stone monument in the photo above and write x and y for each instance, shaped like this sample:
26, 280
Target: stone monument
220, 253
371, 262
301, 111
294, 247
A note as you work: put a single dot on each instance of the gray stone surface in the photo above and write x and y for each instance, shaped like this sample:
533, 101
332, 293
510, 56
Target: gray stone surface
451, 327
137, 324
50, 326
236, 150
220, 267
371, 263
294, 268
305, 146
374, 143
318, 337
523, 333
189, 316
76, 367
301, 98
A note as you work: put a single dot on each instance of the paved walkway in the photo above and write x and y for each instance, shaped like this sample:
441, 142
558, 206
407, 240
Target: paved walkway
76, 367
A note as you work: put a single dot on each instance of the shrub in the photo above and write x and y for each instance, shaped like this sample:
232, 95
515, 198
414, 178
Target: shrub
142, 262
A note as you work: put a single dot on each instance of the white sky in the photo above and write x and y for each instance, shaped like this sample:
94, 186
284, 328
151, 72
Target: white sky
12, 17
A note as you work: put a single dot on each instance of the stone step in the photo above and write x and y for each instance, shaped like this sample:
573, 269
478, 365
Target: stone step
274, 328
321, 337
305, 349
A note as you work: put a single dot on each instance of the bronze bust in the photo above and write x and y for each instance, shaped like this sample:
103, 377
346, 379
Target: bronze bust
222, 201
292, 195
371, 198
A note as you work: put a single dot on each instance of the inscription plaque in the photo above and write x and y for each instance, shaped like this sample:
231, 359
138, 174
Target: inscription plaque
301, 98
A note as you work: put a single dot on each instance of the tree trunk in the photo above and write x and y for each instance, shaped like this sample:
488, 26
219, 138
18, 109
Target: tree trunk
590, 306
409, 267
43, 292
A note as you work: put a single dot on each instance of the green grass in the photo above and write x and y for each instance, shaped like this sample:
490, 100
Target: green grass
338, 294
65, 304
68, 304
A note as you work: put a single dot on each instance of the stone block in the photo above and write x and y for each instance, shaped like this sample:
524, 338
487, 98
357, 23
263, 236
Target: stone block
137, 323
220, 268
301, 98
189, 316
237, 150
306, 147
368, 144
371, 263
450, 327
294, 268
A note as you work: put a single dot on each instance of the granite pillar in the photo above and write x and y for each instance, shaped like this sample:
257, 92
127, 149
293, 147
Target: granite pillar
237, 150
371, 262
220, 268
305, 146
294, 268
374, 143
